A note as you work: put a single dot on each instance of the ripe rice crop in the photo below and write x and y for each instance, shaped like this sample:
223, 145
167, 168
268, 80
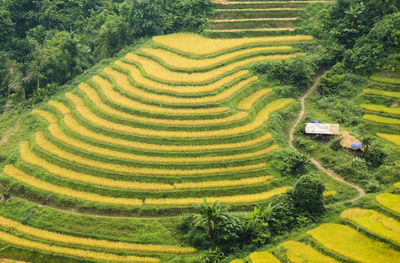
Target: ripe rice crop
374, 222
56, 132
158, 72
4, 260
329, 193
381, 119
72, 252
385, 93
176, 61
18, 175
247, 103
397, 185
223, 183
89, 242
380, 108
54, 150
389, 201
95, 99
353, 245
237, 261
141, 80
118, 99
238, 199
393, 81
298, 253
60, 107
392, 138
80, 106
70, 122
202, 46
29, 157
263, 257
45, 115
123, 82
258, 122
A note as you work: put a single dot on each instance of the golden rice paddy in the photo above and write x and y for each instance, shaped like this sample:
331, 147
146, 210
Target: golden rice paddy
351, 244
176, 61
158, 72
297, 252
263, 257
202, 46
374, 222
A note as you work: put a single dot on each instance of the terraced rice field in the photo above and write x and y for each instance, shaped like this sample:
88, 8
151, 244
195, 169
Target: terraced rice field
386, 116
158, 130
263, 257
367, 236
297, 252
256, 18
349, 243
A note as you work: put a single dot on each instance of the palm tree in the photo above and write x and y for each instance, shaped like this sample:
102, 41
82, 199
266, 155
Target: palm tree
210, 216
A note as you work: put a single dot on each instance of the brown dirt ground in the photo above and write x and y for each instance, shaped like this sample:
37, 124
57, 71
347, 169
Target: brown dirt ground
347, 139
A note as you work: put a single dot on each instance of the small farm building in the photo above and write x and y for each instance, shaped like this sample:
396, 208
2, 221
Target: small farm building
322, 128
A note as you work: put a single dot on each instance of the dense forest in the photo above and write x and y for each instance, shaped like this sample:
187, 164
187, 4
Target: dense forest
46, 43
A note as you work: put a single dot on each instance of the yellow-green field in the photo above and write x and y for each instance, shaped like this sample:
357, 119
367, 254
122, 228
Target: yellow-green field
383, 115
160, 130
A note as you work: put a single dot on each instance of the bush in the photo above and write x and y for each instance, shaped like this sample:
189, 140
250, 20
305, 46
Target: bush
388, 174
298, 72
307, 195
374, 155
213, 256
295, 164
335, 144
185, 223
256, 228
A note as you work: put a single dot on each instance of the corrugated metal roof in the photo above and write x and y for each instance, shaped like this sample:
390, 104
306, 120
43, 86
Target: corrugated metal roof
322, 128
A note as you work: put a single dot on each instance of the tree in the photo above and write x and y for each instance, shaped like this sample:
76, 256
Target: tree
187, 15
7, 29
112, 37
307, 195
210, 217
295, 164
148, 18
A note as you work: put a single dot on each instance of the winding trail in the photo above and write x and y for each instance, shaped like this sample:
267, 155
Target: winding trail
317, 164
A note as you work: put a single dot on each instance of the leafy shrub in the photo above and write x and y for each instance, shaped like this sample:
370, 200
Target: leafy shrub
374, 155
298, 72
388, 174
295, 164
256, 228
213, 255
308, 195
335, 144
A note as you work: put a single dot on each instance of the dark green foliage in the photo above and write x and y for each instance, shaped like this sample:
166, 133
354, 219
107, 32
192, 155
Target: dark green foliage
256, 228
147, 18
359, 32
213, 255
295, 164
374, 155
282, 217
335, 144
216, 228
307, 195
47, 42
331, 83
388, 174
210, 218
113, 35
188, 15
298, 72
